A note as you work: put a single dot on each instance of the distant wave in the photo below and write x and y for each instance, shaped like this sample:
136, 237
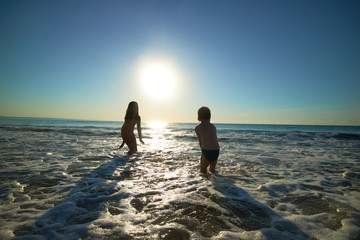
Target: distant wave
343, 136
245, 134
76, 131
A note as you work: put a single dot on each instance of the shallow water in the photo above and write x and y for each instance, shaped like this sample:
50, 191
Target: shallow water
69, 181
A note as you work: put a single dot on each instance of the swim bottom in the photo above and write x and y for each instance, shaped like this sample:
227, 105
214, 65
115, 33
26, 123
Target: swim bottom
211, 155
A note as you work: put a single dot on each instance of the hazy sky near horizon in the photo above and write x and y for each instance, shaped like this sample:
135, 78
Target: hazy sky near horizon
273, 61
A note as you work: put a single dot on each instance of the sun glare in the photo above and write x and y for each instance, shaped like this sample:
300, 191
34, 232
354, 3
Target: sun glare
157, 125
158, 79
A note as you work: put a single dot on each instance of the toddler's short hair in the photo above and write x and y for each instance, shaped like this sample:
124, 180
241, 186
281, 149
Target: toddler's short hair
204, 113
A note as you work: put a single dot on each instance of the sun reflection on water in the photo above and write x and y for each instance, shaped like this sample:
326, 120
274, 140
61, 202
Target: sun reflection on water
162, 141
157, 137
157, 125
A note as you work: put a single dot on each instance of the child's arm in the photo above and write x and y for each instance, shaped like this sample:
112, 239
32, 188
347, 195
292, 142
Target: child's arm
198, 135
139, 130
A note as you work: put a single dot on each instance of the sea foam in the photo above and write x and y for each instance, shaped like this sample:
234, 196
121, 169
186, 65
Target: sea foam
68, 181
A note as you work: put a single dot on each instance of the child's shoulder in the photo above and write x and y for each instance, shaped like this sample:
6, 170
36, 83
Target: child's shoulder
200, 125
213, 126
209, 124
205, 125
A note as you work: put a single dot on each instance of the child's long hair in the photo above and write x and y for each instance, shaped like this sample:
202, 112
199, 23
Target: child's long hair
132, 111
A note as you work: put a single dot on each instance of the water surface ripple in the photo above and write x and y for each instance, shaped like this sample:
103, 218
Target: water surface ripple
70, 182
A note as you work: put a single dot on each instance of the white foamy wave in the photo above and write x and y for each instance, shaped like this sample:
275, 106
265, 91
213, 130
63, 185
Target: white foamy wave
70, 183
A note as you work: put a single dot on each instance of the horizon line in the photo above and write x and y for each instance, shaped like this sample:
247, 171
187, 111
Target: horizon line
229, 123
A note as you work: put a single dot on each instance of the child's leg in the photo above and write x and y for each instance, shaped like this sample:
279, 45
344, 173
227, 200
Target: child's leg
131, 143
212, 166
204, 163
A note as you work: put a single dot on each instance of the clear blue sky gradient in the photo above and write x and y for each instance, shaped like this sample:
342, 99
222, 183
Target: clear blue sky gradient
282, 62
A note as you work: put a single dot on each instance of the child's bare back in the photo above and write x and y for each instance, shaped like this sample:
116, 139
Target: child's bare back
206, 133
207, 136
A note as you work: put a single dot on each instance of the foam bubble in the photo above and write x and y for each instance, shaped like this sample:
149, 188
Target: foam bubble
267, 186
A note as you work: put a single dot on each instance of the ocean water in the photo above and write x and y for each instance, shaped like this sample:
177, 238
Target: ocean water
66, 179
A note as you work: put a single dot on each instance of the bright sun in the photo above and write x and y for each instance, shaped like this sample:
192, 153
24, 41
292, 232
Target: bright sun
158, 79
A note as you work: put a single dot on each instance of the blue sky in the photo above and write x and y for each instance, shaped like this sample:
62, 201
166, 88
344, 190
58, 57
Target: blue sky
281, 62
